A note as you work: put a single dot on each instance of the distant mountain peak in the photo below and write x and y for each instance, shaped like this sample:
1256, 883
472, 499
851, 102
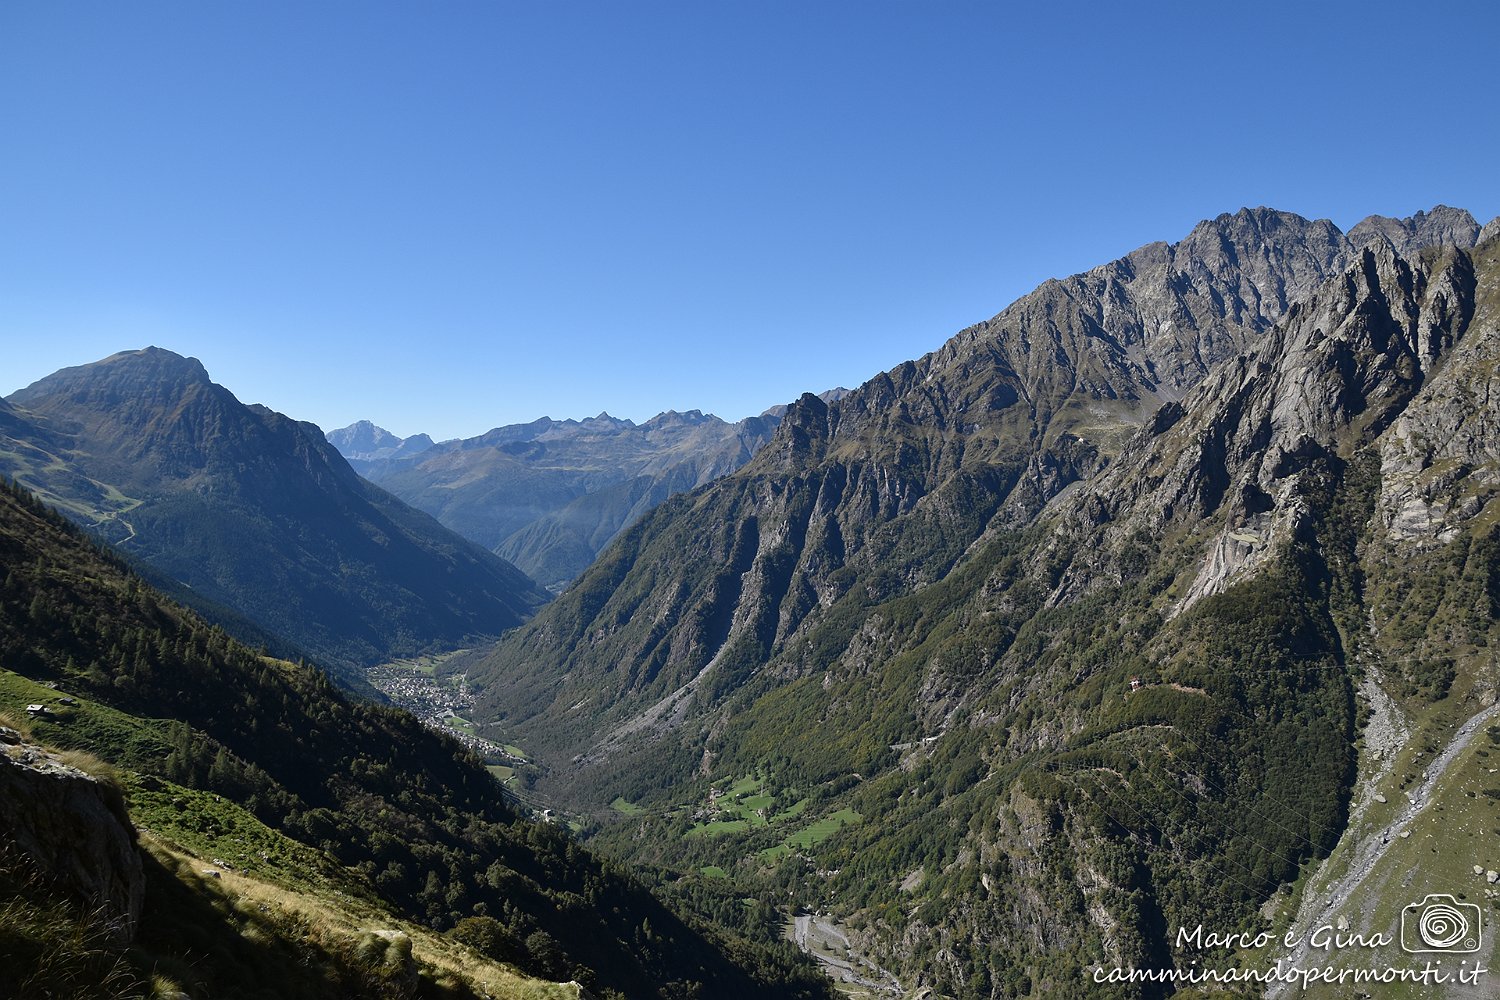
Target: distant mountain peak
364, 436
367, 441
680, 418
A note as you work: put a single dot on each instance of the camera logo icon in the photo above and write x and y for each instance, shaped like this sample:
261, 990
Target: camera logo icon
1440, 923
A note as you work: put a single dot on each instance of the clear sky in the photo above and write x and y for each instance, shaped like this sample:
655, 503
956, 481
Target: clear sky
450, 216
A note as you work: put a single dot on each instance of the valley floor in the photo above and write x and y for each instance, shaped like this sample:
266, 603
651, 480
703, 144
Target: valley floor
443, 703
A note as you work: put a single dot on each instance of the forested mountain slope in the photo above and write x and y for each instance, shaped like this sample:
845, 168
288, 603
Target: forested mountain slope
292, 833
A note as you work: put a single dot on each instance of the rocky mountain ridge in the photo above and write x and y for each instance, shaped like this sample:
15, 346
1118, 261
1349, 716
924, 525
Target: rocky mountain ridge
884, 489
1063, 637
550, 494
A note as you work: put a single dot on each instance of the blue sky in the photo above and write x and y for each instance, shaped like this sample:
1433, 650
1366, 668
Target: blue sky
449, 216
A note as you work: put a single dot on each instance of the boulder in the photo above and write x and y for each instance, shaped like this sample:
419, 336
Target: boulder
75, 829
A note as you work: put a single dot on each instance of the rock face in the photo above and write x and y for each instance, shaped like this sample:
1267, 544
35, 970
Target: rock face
76, 830
1387, 351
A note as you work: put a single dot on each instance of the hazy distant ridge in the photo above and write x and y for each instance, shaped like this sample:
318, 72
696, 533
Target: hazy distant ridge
549, 495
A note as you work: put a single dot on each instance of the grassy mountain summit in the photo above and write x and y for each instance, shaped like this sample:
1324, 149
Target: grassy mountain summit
252, 510
293, 843
1060, 637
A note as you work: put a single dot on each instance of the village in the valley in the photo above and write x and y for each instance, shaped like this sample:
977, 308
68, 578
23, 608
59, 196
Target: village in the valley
442, 703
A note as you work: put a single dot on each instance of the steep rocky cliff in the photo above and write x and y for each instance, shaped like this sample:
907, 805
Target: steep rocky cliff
74, 828
1371, 356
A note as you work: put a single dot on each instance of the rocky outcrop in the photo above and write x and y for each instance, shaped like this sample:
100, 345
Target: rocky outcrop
75, 828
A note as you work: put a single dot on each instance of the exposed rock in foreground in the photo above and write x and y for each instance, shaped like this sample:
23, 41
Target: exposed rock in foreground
74, 826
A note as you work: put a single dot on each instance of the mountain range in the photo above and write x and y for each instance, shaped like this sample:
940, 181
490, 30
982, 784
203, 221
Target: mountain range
549, 495
241, 507
1069, 627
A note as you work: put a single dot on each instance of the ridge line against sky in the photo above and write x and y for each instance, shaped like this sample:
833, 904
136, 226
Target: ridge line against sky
445, 219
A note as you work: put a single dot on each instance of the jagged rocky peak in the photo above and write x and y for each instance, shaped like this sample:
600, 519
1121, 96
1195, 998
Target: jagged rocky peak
1371, 353
681, 417
1443, 226
1093, 354
1490, 231
827, 395
74, 828
1118, 340
542, 429
604, 420
1274, 257
602, 423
